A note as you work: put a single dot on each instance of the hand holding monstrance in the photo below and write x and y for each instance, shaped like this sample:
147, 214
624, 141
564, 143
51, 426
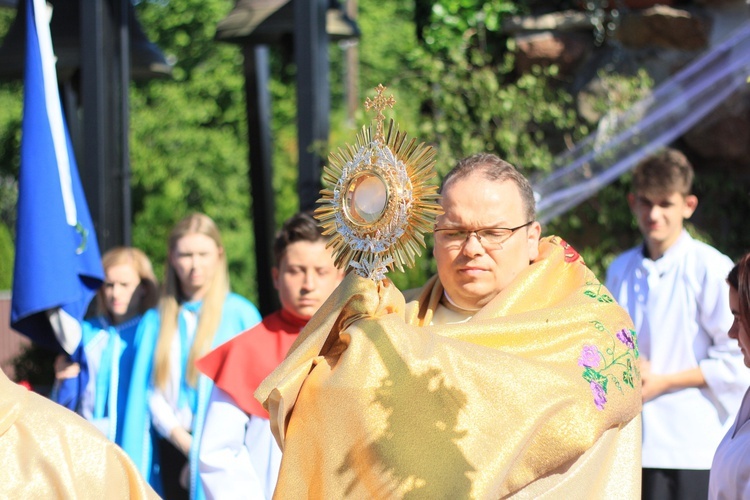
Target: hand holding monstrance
379, 204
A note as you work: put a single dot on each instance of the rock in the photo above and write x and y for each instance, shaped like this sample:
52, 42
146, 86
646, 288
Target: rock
645, 4
566, 50
723, 137
568, 20
663, 27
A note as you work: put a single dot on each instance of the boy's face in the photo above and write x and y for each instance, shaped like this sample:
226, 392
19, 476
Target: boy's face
306, 277
660, 217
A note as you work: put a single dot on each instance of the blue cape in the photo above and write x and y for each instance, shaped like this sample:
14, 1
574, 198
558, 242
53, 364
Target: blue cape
237, 315
70, 391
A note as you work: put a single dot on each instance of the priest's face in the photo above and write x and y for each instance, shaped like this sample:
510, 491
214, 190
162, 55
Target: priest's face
474, 270
306, 277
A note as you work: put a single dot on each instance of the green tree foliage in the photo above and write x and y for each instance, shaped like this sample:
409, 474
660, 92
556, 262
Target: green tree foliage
475, 100
10, 133
6, 257
188, 137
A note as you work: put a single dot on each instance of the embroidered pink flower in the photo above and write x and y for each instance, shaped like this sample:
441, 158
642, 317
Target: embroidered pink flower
600, 397
571, 255
626, 338
589, 357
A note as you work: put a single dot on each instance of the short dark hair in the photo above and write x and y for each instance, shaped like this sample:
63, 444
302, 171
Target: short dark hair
739, 279
299, 227
494, 168
667, 171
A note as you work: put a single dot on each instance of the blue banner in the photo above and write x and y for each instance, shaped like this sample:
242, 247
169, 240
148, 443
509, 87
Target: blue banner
57, 264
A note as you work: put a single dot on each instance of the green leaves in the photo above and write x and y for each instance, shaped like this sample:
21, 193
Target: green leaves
188, 137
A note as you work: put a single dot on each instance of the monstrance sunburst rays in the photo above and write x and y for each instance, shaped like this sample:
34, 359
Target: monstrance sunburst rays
378, 203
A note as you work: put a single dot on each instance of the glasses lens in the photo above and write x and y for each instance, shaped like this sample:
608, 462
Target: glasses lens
453, 236
491, 237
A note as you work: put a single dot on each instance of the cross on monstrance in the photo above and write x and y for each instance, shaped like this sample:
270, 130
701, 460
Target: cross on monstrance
379, 103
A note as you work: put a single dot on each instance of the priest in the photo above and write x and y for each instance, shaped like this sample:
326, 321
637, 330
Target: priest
511, 373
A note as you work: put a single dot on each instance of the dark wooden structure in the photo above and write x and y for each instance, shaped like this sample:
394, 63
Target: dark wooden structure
306, 25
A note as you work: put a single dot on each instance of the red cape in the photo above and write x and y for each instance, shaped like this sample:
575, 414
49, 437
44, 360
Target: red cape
239, 365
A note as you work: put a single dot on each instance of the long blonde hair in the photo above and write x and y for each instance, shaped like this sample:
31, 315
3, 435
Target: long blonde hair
142, 265
210, 311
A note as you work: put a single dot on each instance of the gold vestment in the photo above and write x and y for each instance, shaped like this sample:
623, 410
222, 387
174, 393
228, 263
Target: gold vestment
538, 394
47, 451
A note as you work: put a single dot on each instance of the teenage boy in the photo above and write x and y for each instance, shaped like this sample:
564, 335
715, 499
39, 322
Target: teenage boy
675, 290
239, 456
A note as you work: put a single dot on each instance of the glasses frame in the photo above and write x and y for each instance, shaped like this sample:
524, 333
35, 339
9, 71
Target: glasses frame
476, 232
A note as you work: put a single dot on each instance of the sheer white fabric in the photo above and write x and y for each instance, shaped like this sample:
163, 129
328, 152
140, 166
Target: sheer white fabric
622, 140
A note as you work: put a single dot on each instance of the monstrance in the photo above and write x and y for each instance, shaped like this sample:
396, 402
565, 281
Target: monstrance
378, 203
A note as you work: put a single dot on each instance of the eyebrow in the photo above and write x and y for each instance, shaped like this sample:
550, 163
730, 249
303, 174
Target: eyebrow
458, 226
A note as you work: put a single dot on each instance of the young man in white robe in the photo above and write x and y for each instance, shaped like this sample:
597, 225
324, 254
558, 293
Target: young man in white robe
674, 288
239, 456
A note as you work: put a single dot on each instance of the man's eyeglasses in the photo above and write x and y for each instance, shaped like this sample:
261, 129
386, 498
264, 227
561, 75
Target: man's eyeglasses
489, 238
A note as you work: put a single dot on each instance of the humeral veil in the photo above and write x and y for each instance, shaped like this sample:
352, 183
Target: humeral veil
538, 394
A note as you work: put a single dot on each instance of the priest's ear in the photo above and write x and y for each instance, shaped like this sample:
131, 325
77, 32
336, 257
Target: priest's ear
533, 235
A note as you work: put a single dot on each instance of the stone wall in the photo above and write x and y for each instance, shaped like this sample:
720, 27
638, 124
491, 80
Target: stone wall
622, 36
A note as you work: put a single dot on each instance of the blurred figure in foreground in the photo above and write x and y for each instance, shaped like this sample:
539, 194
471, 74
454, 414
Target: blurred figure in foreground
730, 471
50, 452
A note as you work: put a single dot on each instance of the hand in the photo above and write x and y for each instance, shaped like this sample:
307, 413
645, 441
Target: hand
644, 366
653, 385
182, 440
65, 368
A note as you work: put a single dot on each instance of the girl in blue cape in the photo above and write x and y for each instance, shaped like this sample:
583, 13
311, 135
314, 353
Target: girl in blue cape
97, 387
168, 396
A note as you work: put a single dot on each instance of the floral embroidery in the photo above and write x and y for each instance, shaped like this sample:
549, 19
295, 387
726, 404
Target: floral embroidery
570, 253
600, 397
626, 338
597, 292
603, 369
589, 357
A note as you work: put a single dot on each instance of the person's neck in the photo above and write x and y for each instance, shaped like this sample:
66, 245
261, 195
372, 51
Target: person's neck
116, 320
657, 249
292, 318
194, 295
450, 304
121, 320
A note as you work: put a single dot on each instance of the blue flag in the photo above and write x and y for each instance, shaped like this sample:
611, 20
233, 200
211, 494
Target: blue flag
57, 264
